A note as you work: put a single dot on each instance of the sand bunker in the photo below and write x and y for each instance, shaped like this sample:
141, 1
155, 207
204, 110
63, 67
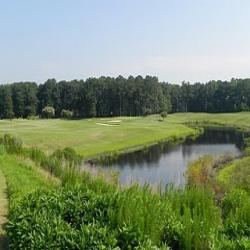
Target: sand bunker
115, 121
104, 124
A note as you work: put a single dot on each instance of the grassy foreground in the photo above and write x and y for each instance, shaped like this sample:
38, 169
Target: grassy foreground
17, 179
90, 214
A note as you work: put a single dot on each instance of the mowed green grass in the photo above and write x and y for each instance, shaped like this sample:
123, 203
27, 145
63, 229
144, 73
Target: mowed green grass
93, 136
90, 137
238, 120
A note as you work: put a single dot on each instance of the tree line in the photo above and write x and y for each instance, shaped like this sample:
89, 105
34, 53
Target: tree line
132, 96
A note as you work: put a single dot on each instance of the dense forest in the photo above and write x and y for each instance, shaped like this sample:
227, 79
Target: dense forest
132, 96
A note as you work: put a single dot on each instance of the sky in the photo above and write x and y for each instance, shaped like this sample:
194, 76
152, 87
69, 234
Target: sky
175, 40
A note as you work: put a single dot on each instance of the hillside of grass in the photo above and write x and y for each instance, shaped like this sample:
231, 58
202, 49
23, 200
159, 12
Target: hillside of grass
90, 137
236, 175
22, 178
87, 213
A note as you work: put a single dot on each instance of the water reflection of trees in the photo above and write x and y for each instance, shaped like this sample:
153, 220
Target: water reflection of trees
145, 157
151, 156
219, 136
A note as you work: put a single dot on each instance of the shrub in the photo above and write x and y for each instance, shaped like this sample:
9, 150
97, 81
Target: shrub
146, 112
12, 144
2, 150
196, 220
32, 117
48, 112
67, 114
236, 214
69, 218
163, 114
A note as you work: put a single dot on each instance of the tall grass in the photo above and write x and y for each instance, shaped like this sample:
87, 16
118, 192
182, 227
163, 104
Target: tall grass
62, 163
198, 217
89, 213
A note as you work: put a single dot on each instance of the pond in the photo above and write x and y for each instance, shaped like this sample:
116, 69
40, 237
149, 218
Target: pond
166, 164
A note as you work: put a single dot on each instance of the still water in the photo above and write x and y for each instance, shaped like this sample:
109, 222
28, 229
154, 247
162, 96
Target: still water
166, 164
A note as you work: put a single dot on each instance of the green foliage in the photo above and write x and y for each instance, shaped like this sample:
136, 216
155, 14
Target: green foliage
236, 175
146, 112
72, 218
90, 214
236, 214
94, 215
198, 172
6, 102
66, 114
132, 96
62, 163
2, 150
144, 209
32, 117
195, 222
12, 144
163, 115
48, 112
21, 177
89, 138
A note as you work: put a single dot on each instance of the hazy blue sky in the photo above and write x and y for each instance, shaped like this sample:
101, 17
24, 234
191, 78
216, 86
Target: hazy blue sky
176, 40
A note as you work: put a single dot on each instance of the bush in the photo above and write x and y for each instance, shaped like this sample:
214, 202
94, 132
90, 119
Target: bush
196, 220
146, 112
48, 112
32, 117
2, 150
12, 144
67, 114
236, 214
163, 114
69, 218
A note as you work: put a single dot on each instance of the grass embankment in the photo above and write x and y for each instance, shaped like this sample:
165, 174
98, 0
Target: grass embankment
89, 137
239, 120
235, 175
91, 214
22, 178
95, 215
17, 179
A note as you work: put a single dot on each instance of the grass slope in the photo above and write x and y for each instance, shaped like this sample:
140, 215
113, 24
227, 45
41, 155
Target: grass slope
238, 120
101, 135
90, 137
21, 178
236, 175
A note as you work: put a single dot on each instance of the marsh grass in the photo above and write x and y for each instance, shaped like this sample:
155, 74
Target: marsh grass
63, 164
235, 175
197, 216
88, 212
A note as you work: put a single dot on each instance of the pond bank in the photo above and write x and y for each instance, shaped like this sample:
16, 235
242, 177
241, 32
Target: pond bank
173, 139
166, 162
